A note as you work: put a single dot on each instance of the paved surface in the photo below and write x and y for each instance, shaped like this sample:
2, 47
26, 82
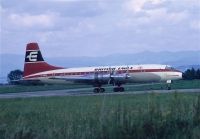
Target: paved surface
86, 92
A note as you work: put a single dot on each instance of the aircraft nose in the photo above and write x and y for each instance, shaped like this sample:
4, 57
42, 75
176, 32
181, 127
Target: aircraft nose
180, 75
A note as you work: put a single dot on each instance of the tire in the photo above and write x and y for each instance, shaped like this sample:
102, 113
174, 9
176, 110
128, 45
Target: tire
96, 90
121, 89
102, 90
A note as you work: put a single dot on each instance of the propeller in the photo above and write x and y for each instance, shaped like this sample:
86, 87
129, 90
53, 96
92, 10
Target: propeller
111, 80
127, 73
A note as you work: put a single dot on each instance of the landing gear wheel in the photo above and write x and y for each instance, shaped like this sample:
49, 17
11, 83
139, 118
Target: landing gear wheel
96, 90
99, 90
102, 90
121, 89
169, 82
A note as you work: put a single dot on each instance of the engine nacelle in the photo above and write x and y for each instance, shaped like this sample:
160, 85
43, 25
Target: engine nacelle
120, 77
111, 78
99, 77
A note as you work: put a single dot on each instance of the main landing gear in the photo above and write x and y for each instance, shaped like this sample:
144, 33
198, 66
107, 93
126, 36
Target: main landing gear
98, 90
102, 90
118, 89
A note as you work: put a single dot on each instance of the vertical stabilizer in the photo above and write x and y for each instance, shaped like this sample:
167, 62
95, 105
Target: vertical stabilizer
34, 62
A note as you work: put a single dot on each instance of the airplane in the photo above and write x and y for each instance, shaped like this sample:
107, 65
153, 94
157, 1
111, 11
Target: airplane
36, 70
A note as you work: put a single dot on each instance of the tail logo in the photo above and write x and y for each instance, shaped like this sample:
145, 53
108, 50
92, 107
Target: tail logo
32, 57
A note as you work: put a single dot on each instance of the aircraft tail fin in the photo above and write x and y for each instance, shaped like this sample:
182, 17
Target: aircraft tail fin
34, 62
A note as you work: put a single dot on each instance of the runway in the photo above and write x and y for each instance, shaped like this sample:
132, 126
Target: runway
86, 92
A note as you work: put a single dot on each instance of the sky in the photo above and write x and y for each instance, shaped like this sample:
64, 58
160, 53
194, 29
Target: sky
68, 28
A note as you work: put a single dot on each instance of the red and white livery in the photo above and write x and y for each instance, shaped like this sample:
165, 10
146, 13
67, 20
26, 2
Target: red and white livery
36, 70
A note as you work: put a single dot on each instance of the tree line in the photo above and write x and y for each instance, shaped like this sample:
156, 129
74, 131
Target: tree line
191, 74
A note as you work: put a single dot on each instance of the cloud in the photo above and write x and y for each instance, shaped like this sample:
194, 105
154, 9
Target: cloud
158, 17
1, 10
56, 0
195, 25
28, 20
150, 11
138, 5
135, 6
162, 15
84, 25
94, 26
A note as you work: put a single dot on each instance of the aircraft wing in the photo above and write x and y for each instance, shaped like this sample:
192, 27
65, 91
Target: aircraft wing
73, 78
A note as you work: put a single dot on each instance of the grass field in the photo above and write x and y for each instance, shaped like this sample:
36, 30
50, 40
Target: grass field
181, 84
145, 116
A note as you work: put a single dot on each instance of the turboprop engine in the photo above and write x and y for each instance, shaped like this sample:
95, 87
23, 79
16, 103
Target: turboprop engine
120, 77
111, 78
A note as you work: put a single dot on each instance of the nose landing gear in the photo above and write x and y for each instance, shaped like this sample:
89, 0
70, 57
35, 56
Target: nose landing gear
169, 82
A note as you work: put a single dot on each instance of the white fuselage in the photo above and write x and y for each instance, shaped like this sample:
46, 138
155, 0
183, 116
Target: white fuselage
126, 73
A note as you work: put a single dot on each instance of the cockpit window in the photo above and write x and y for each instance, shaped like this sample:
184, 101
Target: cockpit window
168, 67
